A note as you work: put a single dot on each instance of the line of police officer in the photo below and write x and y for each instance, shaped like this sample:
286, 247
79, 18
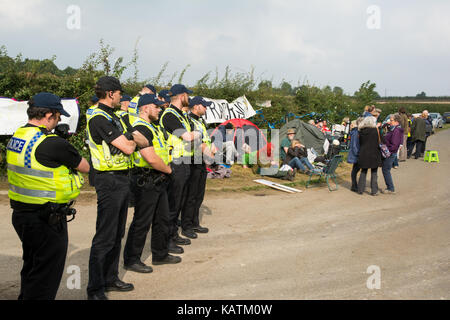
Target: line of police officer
161, 162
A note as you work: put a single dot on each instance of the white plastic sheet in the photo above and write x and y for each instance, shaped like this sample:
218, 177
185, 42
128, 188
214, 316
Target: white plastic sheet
13, 114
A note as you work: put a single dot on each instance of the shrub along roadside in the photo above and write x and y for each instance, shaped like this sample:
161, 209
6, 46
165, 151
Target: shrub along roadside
22, 78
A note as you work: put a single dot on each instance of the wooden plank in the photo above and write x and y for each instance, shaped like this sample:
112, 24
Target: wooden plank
289, 188
275, 185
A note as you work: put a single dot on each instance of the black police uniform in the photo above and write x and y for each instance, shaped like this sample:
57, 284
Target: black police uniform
112, 189
44, 246
180, 176
151, 208
195, 189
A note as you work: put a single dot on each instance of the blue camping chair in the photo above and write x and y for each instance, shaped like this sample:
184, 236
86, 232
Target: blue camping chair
328, 172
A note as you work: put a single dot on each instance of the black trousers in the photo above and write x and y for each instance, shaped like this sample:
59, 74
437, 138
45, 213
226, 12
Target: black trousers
419, 147
177, 194
424, 145
151, 209
112, 207
44, 255
355, 170
194, 197
373, 180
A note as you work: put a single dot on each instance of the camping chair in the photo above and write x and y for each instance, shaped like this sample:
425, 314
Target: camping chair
327, 171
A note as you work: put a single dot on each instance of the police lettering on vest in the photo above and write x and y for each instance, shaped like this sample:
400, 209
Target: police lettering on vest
32, 182
133, 109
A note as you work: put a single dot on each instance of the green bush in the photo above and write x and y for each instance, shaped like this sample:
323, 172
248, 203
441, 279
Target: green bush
21, 79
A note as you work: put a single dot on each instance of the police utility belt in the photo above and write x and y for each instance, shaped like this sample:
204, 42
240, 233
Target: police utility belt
55, 214
147, 175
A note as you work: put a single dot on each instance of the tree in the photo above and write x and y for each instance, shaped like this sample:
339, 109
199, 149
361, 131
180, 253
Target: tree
286, 88
265, 85
366, 94
421, 95
338, 91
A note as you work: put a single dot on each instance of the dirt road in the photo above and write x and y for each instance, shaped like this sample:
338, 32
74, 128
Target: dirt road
272, 245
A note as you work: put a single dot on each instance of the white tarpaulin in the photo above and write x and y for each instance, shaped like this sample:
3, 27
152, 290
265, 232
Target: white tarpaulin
222, 110
13, 114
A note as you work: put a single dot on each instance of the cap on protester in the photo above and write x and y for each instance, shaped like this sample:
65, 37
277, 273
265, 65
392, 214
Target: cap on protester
149, 99
178, 89
125, 97
108, 83
94, 99
49, 101
151, 87
198, 100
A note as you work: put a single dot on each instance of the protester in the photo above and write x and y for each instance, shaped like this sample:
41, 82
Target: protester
353, 153
418, 135
428, 130
325, 129
297, 157
393, 139
286, 143
368, 111
369, 154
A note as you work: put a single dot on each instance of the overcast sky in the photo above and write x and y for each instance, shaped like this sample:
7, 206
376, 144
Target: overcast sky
325, 42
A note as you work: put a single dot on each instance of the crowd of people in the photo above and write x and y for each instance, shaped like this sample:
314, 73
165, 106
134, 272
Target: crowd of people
374, 145
153, 149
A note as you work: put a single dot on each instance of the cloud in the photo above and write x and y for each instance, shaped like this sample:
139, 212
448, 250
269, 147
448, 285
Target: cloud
21, 15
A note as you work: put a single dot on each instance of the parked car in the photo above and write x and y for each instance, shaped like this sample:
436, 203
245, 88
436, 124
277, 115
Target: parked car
436, 119
446, 117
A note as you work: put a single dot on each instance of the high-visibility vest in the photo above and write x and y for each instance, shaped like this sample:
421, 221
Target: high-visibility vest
409, 127
133, 113
89, 112
32, 182
179, 148
121, 113
101, 157
200, 126
159, 144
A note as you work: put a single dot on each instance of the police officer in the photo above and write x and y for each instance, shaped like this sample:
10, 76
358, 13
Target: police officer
43, 178
180, 136
123, 111
149, 182
94, 104
110, 146
132, 107
203, 150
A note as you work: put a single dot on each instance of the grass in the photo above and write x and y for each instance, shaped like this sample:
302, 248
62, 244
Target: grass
242, 180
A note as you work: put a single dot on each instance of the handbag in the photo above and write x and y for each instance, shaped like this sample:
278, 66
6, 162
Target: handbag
385, 153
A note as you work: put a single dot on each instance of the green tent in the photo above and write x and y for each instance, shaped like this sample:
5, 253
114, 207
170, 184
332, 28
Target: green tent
309, 135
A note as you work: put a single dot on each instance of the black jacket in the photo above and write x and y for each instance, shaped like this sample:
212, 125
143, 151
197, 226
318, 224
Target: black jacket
369, 152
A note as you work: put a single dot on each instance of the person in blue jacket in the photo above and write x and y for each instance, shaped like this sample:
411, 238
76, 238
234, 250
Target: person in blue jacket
353, 153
